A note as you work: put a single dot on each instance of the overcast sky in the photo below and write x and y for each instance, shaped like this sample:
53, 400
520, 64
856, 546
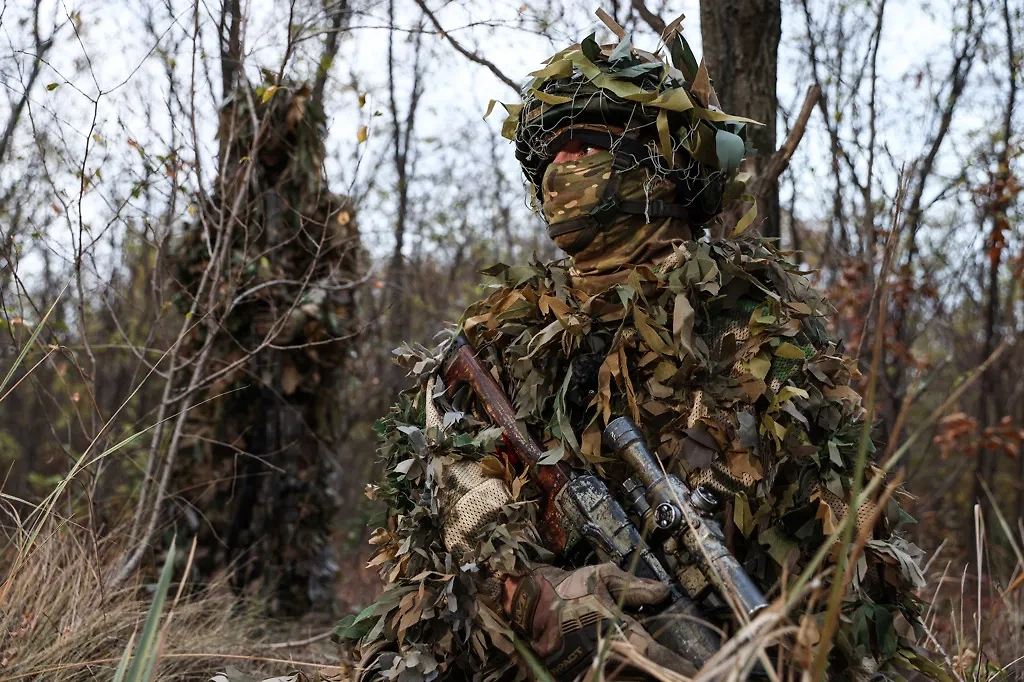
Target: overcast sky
116, 55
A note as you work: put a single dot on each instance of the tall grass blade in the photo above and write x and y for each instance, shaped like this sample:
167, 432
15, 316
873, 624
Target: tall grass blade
31, 341
122, 666
144, 661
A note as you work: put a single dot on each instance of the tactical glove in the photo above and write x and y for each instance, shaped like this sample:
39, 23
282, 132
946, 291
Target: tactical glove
563, 614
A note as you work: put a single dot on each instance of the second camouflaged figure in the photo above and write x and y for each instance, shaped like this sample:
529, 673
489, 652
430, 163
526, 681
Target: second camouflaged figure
716, 349
256, 474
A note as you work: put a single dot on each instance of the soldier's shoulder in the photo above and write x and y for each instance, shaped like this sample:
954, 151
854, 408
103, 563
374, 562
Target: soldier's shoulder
748, 277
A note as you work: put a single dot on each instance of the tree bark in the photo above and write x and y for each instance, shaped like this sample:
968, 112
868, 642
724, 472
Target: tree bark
230, 45
988, 406
741, 47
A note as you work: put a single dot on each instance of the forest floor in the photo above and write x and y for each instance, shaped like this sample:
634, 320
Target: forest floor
60, 622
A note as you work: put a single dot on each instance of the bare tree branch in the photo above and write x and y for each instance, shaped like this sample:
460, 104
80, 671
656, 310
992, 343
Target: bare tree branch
339, 15
656, 23
41, 48
471, 56
779, 161
231, 44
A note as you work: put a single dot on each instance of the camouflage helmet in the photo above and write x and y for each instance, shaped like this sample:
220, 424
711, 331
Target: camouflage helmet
648, 110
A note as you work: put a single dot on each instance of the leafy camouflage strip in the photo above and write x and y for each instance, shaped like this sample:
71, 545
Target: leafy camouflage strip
723, 359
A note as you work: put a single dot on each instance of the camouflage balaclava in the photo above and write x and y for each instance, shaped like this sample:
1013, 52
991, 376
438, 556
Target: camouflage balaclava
668, 153
572, 189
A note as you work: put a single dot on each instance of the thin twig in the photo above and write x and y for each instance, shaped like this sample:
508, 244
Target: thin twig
656, 23
300, 642
471, 56
779, 161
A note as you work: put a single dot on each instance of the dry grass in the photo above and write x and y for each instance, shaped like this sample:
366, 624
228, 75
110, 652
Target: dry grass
59, 623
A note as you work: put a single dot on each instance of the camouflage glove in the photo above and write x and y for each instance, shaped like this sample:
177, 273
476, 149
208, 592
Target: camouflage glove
562, 614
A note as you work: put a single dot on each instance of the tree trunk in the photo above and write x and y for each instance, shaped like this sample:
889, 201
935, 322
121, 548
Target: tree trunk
741, 47
1002, 195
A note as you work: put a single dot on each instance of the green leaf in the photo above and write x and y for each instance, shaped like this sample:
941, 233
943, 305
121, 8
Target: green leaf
637, 70
552, 456
622, 50
144, 662
122, 665
52, 86
833, 454
730, 150
354, 627
682, 57
591, 50
885, 630
269, 92
416, 437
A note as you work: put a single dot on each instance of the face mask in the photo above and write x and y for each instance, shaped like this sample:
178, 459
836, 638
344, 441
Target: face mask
572, 189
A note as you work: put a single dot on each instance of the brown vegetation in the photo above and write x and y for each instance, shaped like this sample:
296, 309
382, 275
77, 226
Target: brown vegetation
108, 151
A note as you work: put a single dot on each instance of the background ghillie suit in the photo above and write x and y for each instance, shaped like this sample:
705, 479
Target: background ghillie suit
715, 347
256, 478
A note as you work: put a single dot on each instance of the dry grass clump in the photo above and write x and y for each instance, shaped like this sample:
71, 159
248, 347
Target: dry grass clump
59, 622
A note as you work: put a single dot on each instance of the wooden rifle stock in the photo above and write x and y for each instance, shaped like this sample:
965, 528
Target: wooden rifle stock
466, 367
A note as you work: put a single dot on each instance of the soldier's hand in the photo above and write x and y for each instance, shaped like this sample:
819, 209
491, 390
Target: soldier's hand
563, 614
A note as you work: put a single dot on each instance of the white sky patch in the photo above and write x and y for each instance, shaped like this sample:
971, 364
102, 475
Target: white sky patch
113, 37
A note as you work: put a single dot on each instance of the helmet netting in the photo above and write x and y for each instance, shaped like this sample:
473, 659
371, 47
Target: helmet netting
555, 102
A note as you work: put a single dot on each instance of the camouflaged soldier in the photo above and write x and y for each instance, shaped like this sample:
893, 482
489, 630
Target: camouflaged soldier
256, 477
715, 348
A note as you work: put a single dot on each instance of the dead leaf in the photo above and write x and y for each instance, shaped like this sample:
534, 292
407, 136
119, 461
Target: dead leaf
741, 463
790, 351
682, 325
645, 326
701, 88
828, 518
741, 516
290, 379
843, 393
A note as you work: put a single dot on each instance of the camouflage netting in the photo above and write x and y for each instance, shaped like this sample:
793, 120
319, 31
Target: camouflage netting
720, 354
257, 476
664, 115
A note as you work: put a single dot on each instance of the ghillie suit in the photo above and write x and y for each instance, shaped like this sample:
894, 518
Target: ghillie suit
716, 348
257, 476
